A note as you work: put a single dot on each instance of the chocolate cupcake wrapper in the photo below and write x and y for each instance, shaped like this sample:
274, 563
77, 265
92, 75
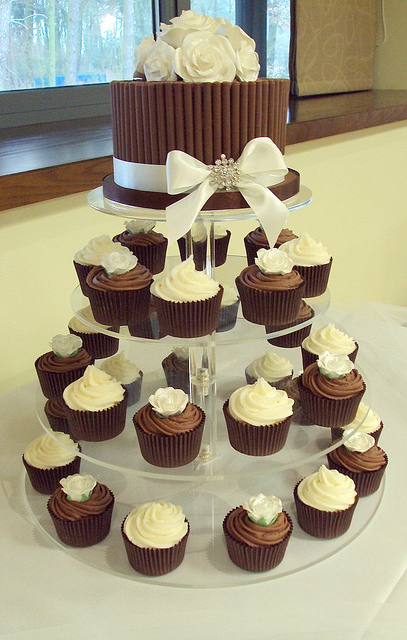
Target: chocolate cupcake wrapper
97, 426
147, 328
323, 524
199, 250
98, 345
366, 482
328, 412
82, 273
256, 440
133, 390
337, 433
53, 383
176, 379
255, 559
227, 317
316, 278
309, 358
119, 307
170, 451
47, 480
221, 249
189, 319
151, 256
289, 340
86, 531
269, 307
252, 249
155, 562
56, 416
278, 384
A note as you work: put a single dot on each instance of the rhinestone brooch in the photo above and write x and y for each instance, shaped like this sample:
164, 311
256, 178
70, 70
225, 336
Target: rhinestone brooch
225, 173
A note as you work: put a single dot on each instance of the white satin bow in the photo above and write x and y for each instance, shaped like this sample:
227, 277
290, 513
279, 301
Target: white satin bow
261, 165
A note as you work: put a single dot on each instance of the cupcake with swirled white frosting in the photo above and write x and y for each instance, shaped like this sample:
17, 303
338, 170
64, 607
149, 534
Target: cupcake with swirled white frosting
187, 301
49, 458
275, 369
99, 345
127, 373
95, 406
228, 309
155, 536
258, 417
325, 503
90, 256
366, 421
327, 338
312, 260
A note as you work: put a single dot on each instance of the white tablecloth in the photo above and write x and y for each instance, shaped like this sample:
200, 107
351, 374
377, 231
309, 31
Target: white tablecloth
360, 593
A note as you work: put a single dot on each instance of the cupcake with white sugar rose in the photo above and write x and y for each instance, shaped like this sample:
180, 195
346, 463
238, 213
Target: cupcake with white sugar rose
257, 239
187, 301
99, 345
275, 369
366, 421
169, 428
257, 533
90, 256
127, 373
149, 246
325, 502
331, 390
312, 260
228, 309
176, 368
119, 289
66, 362
258, 418
360, 458
270, 290
81, 509
155, 536
327, 338
49, 458
95, 406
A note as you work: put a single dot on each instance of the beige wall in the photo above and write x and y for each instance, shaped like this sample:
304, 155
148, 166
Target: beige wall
391, 56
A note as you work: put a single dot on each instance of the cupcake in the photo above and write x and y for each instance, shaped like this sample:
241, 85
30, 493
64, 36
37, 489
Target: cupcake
221, 237
228, 309
155, 536
293, 338
149, 327
328, 338
66, 362
257, 239
199, 244
257, 533
276, 370
96, 406
270, 291
98, 345
331, 390
312, 261
187, 301
54, 410
325, 503
176, 368
361, 459
127, 373
81, 510
366, 421
293, 392
258, 418
90, 256
119, 289
49, 458
149, 246
169, 428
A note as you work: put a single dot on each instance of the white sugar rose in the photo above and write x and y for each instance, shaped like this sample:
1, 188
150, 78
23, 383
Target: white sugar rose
140, 55
273, 261
169, 401
204, 57
188, 22
65, 346
263, 510
247, 60
139, 226
181, 352
158, 65
78, 488
359, 441
334, 365
116, 263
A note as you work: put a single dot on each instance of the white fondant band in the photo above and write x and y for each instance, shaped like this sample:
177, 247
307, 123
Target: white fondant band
136, 175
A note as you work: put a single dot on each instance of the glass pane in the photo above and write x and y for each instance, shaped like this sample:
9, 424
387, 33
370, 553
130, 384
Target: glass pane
47, 43
215, 8
278, 38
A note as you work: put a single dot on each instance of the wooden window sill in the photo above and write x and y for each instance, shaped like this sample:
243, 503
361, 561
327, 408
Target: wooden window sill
48, 161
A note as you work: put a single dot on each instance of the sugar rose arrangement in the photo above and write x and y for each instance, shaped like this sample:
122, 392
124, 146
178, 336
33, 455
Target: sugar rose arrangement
197, 48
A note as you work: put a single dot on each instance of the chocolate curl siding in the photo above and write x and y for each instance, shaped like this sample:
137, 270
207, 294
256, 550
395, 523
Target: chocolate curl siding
152, 118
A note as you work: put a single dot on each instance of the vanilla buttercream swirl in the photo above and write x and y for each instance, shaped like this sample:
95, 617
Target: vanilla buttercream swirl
270, 366
305, 251
90, 254
329, 338
121, 368
52, 363
77, 325
65, 509
137, 278
47, 452
150, 422
185, 284
229, 296
365, 420
240, 527
96, 390
334, 388
356, 461
260, 404
252, 277
156, 525
327, 490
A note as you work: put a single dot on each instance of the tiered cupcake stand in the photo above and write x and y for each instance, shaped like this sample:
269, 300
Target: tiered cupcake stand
220, 478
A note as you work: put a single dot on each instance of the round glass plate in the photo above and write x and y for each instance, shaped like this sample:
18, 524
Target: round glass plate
97, 201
